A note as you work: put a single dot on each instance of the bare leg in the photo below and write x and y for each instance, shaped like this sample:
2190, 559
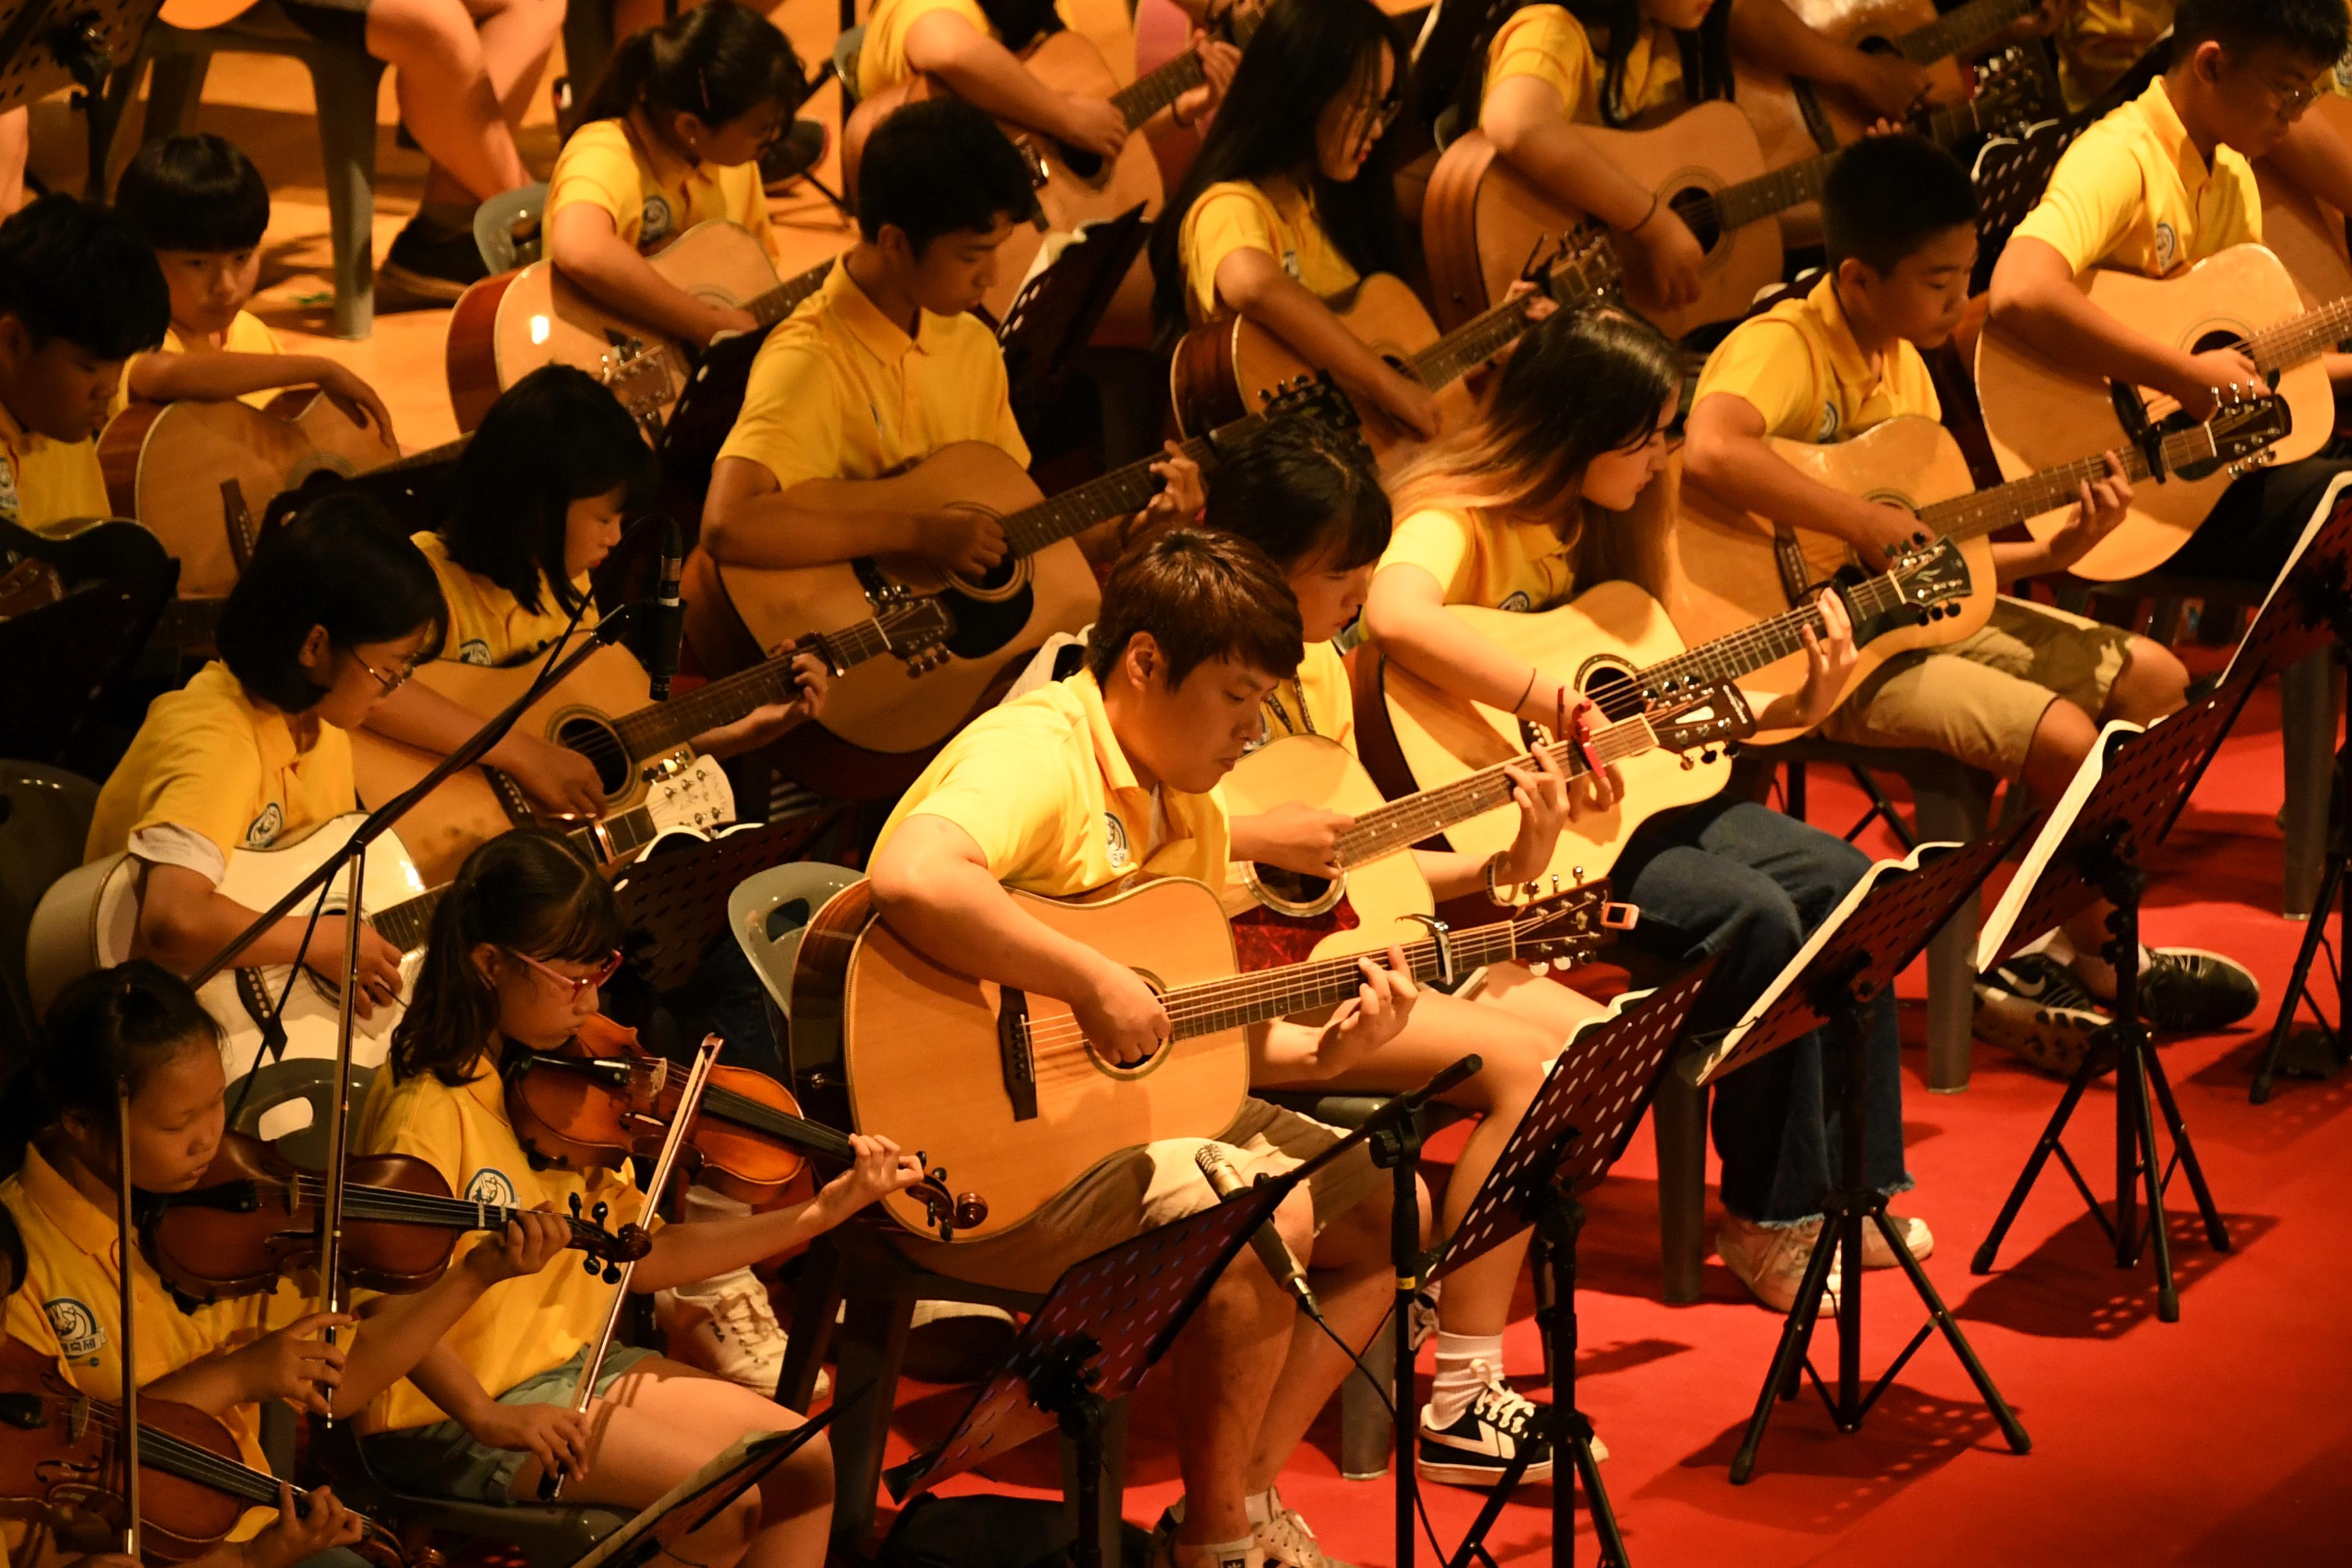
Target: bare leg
2151, 684
15, 146
662, 1421
446, 97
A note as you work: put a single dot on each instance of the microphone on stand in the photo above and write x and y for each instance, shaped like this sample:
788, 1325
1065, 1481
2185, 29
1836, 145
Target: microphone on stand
666, 618
1271, 1250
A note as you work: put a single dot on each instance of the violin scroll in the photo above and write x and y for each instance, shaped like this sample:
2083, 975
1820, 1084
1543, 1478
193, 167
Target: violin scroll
943, 1213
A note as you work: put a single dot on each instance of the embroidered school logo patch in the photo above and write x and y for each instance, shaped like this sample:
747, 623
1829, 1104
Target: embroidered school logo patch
76, 1327
1116, 846
490, 1185
1516, 602
1290, 265
9, 506
474, 650
654, 223
1826, 426
264, 831
2167, 246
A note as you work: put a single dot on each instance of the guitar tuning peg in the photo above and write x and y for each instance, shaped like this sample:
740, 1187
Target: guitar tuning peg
1540, 968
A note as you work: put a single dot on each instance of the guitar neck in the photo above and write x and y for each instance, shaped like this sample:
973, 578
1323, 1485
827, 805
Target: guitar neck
659, 728
1958, 31
1979, 512
1793, 185
782, 300
2301, 338
1115, 494
1159, 89
1268, 993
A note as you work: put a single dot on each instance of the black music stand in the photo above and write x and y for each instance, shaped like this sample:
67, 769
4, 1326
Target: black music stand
697, 1500
1057, 310
1107, 1321
1579, 1124
2308, 610
1885, 923
676, 892
49, 43
2128, 794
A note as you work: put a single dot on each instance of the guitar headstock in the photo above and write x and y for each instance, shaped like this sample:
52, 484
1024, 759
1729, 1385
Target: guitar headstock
1316, 397
1931, 577
2242, 430
1584, 268
642, 377
2009, 89
1568, 925
1700, 719
916, 629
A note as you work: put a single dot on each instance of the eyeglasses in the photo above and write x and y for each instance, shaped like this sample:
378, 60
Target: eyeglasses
574, 986
2290, 99
391, 683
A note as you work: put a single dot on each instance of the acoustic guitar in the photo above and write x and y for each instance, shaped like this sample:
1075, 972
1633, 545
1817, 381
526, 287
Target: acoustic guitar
1794, 120
604, 711
506, 327
2306, 234
892, 711
1225, 367
984, 1078
1723, 563
1483, 218
1664, 714
2041, 413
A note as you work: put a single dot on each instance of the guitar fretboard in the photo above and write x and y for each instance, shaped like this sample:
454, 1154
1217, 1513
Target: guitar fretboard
1965, 517
606, 841
1485, 335
1253, 998
1115, 494
782, 300
2303, 337
1156, 90
1769, 194
1958, 31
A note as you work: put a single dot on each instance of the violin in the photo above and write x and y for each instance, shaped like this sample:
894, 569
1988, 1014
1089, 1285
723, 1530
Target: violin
603, 1098
257, 1214
60, 1463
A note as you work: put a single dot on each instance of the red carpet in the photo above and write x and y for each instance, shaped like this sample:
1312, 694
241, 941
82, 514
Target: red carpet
2225, 1438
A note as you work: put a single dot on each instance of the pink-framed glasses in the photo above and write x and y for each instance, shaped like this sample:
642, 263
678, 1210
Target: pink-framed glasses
575, 987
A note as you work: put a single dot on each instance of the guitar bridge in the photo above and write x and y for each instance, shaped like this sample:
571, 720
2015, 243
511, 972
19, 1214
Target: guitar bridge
1019, 1064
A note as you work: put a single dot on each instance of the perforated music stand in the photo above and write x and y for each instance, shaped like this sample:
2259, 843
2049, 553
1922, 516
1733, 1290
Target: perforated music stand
1881, 925
1057, 310
2124, 798
1578, 1123
676, 891
1105, 1322
699, 1498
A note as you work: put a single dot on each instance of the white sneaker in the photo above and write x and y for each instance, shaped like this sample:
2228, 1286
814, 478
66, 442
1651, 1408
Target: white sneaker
1480, 1444
1288, 1541
726, 1326
1771, 1260
1917, 1238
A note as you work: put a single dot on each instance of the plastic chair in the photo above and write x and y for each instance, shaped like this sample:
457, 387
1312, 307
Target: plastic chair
45, 816
507, 229
343, 81
846, 47
769, 914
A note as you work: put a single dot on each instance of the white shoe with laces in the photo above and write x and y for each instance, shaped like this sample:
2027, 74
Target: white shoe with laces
1477, 1447
1288, 1541
726, 1326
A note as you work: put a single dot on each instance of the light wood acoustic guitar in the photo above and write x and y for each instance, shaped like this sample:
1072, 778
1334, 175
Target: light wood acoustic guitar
604, 711
991, 1080
1228, 366
2041, 413
506, 327
1483, 218
1723, 565
888, 712
1664, 717
1794, 120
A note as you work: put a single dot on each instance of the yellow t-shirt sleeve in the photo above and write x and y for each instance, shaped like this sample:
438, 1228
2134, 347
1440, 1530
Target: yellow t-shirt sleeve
1012, 811
1767, 363
596, 168
1549, 44
882, 60
1225, 219
423, 1123
2095, 197
791, 420
1439, 543
205, 776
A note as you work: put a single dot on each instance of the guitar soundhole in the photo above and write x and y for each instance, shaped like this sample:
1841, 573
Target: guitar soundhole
602, 748
989, 612
2207, 344
1611, 688
1290, 892
1696, 207
1083, 165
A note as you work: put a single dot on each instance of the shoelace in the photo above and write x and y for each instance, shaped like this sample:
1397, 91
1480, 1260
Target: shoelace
741, 1314
1501, 1407
1288, 1536
2039, 979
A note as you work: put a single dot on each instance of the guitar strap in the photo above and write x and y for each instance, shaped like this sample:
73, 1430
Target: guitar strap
1790, 557
1817, 119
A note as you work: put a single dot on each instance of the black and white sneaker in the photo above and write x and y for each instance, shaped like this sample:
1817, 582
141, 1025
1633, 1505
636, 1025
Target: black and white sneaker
1480, 1445
2188, 991
2036, 1007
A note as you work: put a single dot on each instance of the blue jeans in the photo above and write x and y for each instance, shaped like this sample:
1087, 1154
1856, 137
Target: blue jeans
1739, 880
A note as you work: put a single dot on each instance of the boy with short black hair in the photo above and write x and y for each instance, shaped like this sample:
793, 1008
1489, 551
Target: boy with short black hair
79, 294
2024, 697
203, 207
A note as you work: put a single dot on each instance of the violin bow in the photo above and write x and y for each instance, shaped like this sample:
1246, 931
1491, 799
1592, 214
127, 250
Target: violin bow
126, 1332
339, 1113
690, 1102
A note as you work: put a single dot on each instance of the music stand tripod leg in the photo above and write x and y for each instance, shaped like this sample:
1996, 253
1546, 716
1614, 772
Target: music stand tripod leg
1397, 1150
2094, 1064
2329, 904
1560, 1220
1081, 1417
2215, 1231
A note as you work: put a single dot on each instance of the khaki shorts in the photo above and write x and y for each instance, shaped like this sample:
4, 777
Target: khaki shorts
1142, 1189
1979, 699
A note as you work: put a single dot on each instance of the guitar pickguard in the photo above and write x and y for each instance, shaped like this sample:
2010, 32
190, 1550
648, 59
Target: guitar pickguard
1265, 938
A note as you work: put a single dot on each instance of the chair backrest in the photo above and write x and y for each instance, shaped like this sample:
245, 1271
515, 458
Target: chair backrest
769, 913
846, 47
45, 816
507, 228
302, 1079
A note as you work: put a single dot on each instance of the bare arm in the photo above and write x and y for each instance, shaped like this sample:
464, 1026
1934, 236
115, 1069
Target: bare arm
184, 920
1528, 125
984, 71
217, 375
1768, 32
1406, 615
1253, 283
1728, 453
582, 241
2034, 297
747, 522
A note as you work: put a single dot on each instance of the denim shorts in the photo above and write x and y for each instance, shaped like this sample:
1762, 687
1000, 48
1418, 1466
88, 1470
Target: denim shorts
445, 1460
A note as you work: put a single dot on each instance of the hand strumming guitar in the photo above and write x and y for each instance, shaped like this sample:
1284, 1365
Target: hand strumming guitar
1121, 1015
1293, 835
961, 540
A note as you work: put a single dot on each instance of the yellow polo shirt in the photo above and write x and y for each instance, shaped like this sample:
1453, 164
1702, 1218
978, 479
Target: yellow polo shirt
1549, 43
1046, 790
1797, 365
247, 334
1234, 215
520, 1328
210, 759
2133, 192
487, 623
839, 391
68, 1306
2098, 40
882, 58
1480, 561
42, 482
653, 194
1318, 700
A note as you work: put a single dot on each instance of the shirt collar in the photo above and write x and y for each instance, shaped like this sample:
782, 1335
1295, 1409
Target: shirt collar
1119, 774
13, 435
1845, 355
87, 1226
2163, 122
668, 166
880, 336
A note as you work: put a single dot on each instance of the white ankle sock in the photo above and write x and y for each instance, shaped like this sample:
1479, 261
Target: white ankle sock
1263, 1506
1457, 1381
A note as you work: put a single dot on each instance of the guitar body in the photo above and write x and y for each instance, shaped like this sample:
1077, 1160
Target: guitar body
506, 327
920, 1047
1483, 219
1292, 918
886, 704
1723, 575
89, 919
2040, 413
1439, 737
1076, 187
2304, 232
172, 466
1232, 366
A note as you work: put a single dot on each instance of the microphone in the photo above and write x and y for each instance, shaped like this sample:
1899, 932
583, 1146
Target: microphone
1461, 1071
1271, 1250
666, 619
